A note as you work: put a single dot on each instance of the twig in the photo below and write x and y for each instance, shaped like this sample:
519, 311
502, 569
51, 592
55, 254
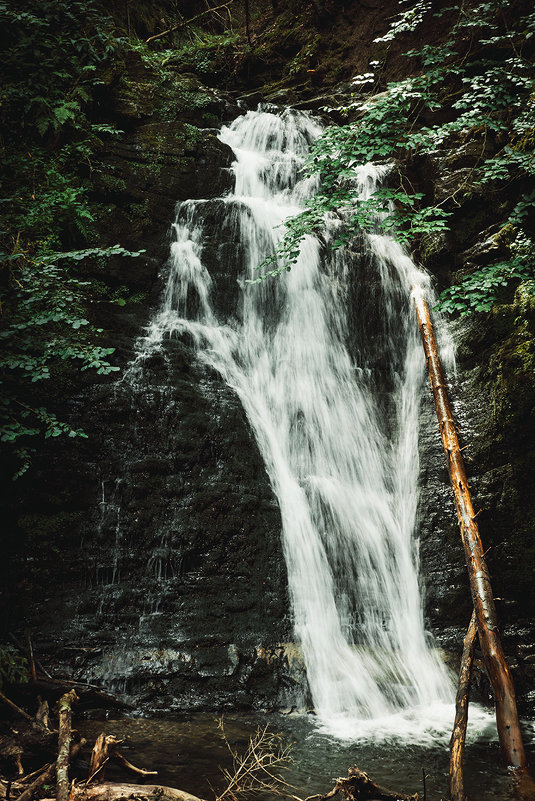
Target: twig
15, 708
252, 771
22, 650
31, 656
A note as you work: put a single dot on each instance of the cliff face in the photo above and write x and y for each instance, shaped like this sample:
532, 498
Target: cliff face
149, 556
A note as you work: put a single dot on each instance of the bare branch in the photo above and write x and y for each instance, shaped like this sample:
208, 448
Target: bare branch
186, 22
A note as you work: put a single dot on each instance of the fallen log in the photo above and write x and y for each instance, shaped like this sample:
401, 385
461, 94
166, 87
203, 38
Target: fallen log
507, 720
64, 744
88, 693
458, 736
119, 792
105, 748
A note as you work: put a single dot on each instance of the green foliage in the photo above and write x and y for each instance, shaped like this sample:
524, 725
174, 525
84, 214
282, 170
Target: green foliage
45, 325
483, 85
52, 51
210, 56
304, 57
407, 20
55, 55
13, 666
481, 289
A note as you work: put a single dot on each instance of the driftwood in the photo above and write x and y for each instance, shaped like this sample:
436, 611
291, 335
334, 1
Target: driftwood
119, 792
359, 787
102, 750
458, 736
494, 658
65, 705
105, 748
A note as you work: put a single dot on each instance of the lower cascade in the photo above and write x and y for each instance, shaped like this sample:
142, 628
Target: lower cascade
327, 362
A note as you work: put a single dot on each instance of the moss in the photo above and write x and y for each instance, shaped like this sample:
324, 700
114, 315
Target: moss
137, 211
112, 183
430, 246
511, 370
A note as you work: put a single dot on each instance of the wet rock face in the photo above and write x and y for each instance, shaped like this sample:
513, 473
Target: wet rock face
165, 150
175, 576
184, 553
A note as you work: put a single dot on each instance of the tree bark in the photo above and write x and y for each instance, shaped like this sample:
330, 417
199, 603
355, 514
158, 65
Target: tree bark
458, 736
504, 692
64, 744
42, 715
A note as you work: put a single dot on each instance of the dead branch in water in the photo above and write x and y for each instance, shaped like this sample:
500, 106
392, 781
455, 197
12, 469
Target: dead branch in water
359, 787
105, 748
256, 768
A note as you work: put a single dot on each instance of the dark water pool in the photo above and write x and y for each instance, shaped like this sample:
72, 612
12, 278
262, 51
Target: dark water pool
189, 754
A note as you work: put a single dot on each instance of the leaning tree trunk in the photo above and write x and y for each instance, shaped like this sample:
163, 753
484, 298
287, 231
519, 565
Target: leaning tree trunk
502, 683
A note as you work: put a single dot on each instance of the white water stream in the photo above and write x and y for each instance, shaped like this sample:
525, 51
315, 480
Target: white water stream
338, 430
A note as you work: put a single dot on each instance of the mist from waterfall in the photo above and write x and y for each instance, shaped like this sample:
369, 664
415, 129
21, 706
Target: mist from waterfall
327, 362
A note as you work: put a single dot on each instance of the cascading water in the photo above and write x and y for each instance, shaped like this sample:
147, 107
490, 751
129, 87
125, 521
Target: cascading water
328, 366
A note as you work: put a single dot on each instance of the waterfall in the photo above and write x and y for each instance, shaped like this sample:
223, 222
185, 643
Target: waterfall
327, 363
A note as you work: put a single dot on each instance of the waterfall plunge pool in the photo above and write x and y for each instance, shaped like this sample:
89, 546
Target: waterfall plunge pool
188, 754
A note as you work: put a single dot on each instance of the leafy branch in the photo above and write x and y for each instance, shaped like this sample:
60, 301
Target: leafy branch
479, 76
